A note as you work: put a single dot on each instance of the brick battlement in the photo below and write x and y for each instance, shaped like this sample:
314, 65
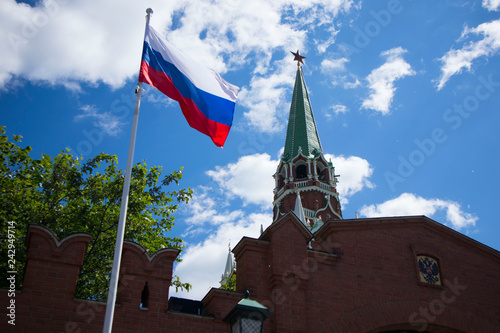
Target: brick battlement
47, 304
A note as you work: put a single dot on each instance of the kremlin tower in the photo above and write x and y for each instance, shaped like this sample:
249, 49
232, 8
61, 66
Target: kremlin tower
305, 182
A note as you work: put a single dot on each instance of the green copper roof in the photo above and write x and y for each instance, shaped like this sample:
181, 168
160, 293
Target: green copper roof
251, 303
301, 130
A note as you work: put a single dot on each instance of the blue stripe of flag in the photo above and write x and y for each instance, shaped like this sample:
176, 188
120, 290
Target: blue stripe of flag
213, 107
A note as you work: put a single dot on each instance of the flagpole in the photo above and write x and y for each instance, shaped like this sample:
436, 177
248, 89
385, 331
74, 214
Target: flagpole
110, 307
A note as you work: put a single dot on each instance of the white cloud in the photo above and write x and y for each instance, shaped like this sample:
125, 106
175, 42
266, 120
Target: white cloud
266, 98
201, 206
322, 45
350, 84
63, 42
349, 81
381, 80
333, 68
410, 204
334, 65
335, 110
233, 30
106, 121
354, 174
491, 5
454, 61
250, 179
209, 256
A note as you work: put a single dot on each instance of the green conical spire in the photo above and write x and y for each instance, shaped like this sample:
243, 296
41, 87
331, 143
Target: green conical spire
301, 130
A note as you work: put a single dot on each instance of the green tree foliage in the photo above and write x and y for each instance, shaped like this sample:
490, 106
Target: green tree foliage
68, 195
230, 284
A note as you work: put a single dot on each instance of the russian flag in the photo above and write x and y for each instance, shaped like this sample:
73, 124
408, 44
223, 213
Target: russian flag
206, 99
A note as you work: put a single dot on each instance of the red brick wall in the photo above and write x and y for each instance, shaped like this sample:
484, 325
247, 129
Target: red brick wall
361, 276
46, 302
354, 276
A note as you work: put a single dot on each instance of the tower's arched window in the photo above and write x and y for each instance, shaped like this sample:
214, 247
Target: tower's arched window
301, 171
322, 172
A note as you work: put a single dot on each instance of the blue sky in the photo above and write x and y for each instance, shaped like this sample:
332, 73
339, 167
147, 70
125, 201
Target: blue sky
405, 96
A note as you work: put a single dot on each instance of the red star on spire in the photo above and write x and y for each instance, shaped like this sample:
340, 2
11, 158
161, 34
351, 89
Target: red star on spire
298, 57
